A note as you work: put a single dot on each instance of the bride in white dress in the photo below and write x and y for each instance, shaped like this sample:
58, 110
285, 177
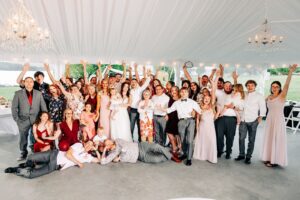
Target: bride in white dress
119, 118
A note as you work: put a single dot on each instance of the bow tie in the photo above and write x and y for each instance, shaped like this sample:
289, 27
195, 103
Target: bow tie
183, 99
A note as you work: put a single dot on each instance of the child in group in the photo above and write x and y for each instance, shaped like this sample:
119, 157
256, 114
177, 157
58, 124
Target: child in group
88, 119
99, 138
238, 96
145, 108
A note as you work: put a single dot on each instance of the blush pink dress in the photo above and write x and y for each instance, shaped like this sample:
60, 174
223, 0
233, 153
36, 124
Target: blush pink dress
205, 141
104, 119
274, 144
89, 120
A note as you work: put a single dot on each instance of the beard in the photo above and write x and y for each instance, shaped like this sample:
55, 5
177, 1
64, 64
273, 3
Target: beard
228, 92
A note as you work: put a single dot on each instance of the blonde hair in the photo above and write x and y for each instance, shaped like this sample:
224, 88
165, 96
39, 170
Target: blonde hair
239, 88
66, 110
144, 92
212, 106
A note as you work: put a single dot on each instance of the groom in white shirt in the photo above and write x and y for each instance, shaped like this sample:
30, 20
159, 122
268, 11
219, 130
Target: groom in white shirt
254, 111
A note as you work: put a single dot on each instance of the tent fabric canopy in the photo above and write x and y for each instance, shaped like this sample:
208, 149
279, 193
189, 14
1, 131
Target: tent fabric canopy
207, 31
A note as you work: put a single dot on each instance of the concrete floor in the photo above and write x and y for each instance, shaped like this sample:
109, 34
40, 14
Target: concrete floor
226, 180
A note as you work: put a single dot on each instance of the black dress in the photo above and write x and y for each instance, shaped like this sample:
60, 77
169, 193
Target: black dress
172, 123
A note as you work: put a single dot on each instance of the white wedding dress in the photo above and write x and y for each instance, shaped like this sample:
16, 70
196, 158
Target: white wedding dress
120, 123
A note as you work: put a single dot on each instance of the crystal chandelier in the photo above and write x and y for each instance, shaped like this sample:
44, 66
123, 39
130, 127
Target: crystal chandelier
264, 40
20, 32
265, 37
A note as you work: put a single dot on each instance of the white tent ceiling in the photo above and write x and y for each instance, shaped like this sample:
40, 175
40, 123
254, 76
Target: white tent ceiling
208, 31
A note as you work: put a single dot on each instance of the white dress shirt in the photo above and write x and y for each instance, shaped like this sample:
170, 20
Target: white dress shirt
78, 152
161, 101
136, 93
219, 95
225, 100
184, 108
254, 107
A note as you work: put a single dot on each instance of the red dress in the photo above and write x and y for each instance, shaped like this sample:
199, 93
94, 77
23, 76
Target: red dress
37, 147
69, 137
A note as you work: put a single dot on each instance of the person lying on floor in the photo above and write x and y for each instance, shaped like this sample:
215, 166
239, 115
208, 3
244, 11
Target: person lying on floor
123, 151
50, 161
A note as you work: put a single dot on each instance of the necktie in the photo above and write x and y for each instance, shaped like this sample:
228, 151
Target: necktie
30, 99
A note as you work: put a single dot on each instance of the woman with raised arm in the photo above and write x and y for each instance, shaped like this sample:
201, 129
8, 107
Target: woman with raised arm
74, 99
55, 99
274, 151
205, 141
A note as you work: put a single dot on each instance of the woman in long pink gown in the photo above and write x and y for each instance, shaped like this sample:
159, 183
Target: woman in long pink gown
274, 151
104, 99
206, 141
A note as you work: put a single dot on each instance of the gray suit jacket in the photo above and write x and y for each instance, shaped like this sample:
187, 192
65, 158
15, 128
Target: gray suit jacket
21, 109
